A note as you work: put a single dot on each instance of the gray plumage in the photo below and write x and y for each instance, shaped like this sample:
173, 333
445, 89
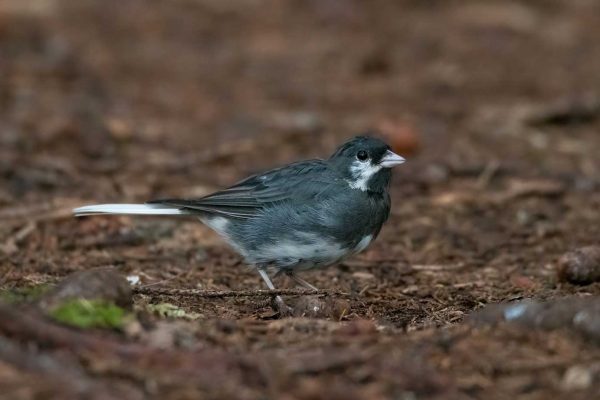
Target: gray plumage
308, 214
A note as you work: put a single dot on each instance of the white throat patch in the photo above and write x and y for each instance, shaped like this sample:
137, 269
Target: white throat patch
362, 172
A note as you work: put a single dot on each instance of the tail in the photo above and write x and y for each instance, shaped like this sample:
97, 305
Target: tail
128, 209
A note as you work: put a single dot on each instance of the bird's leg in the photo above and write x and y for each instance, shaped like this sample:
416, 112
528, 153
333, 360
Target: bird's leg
290, 273
283, 308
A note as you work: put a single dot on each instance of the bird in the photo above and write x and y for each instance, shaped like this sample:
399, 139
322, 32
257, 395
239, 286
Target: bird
304, 215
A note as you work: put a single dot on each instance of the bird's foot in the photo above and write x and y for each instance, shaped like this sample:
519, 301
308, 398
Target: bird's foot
278, 304
283, 309
301, 281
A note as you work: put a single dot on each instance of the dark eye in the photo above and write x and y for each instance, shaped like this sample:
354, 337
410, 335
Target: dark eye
362, 155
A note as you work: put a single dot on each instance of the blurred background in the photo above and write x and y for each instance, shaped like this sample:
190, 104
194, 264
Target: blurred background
495, 104
123, 100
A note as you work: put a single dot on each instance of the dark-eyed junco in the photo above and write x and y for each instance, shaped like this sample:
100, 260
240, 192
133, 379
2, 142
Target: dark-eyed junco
308, 214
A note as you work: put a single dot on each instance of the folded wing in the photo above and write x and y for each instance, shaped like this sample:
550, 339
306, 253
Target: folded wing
296, 182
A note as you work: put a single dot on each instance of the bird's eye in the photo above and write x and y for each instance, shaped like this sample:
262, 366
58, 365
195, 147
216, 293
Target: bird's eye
362, 155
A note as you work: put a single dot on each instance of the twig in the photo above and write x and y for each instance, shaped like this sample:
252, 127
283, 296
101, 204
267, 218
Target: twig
487, 174
235, 293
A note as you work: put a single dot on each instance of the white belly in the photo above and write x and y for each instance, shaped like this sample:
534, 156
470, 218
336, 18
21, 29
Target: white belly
363, 244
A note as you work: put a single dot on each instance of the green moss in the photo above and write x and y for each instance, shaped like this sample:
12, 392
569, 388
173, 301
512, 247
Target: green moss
23, 294
90, 314
168, 310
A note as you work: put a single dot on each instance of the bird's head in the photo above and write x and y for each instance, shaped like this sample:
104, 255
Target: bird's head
365, 162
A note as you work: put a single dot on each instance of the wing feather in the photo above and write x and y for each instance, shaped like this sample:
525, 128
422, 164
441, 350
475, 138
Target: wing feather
295, 182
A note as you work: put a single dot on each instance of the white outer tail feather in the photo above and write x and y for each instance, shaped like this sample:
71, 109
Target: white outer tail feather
127, 209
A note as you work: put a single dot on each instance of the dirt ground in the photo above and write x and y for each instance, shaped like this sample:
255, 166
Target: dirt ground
495, 104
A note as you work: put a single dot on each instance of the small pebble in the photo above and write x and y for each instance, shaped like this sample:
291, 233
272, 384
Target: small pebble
587, 322
577, 377
581, 266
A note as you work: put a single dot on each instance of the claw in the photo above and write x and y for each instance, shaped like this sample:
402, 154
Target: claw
283, 309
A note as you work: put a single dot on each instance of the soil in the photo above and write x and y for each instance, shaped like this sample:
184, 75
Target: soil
496, 106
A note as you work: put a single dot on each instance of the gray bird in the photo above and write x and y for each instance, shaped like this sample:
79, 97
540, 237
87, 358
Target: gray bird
305, 215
